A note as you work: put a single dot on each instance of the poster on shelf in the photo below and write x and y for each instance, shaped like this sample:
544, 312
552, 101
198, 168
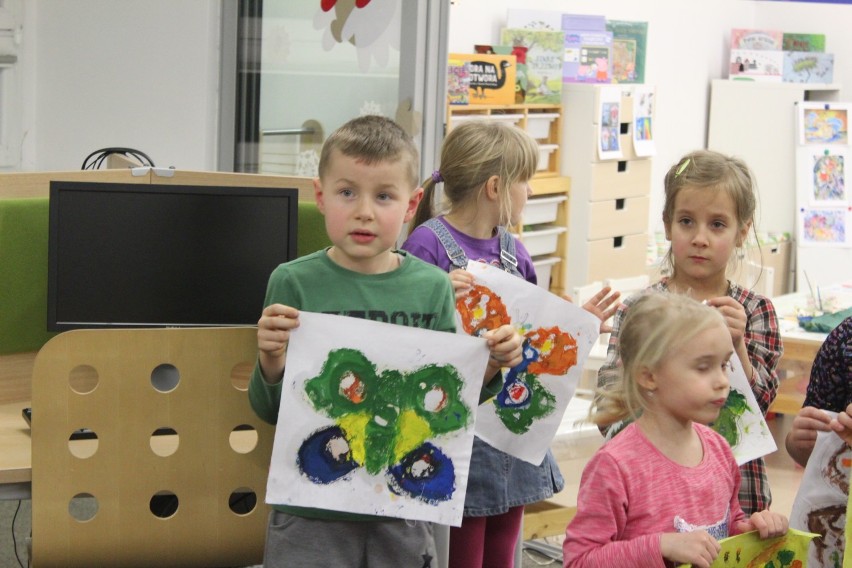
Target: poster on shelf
643, 121
822, 176
609, 124
822, 123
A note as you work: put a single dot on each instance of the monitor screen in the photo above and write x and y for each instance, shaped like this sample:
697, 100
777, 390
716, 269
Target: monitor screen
143, 255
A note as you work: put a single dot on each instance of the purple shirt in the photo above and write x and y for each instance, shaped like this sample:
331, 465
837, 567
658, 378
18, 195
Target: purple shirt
424, 244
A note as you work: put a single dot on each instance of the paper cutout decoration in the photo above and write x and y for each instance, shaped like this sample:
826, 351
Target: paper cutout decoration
523, 419
821, 503
741, 421
377, 419
748, 550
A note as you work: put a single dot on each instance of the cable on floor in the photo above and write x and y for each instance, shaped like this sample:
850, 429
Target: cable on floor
14, 539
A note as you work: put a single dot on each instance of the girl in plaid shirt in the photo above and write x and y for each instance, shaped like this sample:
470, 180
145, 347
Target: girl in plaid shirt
708, 212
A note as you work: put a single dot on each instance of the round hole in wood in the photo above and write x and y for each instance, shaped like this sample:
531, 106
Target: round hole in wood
83, 443
164, 441
242, 501
83, 507
165, 377
164, 504
83, 379
240, 375
243, 439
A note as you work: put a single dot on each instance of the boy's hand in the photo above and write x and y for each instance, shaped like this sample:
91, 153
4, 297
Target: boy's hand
803, 433
697, 548
273, 333
601, 305
842, 425
766, 523
506, 346
462, 281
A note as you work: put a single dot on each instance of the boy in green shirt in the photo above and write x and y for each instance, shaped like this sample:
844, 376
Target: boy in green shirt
367, 189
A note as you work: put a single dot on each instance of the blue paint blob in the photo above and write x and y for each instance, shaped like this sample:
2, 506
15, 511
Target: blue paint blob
325, 456
426, 474
516, 392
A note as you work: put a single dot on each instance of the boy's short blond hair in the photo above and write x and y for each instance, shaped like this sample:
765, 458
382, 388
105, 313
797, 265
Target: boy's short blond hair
373, 139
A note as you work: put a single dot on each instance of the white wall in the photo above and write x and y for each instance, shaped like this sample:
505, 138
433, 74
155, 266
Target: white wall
103, 73
687, 48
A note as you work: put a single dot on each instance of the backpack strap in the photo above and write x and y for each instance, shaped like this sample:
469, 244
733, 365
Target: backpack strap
458, 259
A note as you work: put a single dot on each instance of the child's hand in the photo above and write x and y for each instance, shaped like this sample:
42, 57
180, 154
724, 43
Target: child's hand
766, 523
734, 314
273, 333
806, 424
842, 425
697, 548
601, 305
462, 281
506, 346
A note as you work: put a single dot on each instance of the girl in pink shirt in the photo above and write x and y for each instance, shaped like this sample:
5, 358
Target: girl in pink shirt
664, 491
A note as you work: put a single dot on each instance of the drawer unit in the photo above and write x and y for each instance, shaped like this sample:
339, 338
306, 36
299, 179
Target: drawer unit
616, 257
617, 179
546, 157
539, 124
618, 217
544, 268
541, 241
542, 210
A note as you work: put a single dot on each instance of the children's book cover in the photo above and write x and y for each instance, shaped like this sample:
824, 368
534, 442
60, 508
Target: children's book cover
629, 40
808, 67
544, 54
756, 64
520, 53
534, 19
588, 49
492, 77
803, 42
744, 38
458, 82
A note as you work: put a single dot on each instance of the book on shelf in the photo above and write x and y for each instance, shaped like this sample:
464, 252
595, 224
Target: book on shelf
756, 39
588, 49
520, 53
808, 67
491, 77
803, 42
629, 41
544, 53
458, 82
756, 64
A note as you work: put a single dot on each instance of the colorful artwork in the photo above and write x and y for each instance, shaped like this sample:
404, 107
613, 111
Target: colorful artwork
375, 430
807, 67
825, 126
821, 502
749, 551
744, 38
643, 121
829, 178
609, 123
523, 418
823, 226
372, 27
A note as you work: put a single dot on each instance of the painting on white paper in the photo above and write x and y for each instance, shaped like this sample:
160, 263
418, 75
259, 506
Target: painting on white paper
822, 176
824, 226
523, 418
821, 501
609, 124
741, 422
377, 419
643, 121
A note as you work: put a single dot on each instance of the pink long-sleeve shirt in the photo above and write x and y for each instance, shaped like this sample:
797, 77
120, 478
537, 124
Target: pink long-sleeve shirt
630, 493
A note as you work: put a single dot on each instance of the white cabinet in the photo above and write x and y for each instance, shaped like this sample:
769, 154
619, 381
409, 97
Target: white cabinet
608, 224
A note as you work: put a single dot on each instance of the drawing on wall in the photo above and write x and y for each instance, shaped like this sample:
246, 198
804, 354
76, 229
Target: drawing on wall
523, 418
748, 550
828, 181
643, 121
823, 497
379, 419
823, 226
823, 124
372, 27
741, 422
609, 123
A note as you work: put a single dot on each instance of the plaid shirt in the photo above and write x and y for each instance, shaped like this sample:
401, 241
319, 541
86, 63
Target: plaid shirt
763, 343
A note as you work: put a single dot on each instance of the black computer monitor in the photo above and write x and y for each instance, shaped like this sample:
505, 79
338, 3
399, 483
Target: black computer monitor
149, 255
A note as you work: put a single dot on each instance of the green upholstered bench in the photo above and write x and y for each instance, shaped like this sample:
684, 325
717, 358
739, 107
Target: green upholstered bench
23, 268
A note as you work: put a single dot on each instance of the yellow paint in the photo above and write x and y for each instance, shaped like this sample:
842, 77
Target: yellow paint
355, 426
413, 431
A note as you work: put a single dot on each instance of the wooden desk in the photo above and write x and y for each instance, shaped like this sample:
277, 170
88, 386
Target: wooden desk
16, 457
800, 349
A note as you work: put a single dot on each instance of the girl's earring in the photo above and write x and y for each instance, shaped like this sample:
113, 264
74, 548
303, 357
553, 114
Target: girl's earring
740, 253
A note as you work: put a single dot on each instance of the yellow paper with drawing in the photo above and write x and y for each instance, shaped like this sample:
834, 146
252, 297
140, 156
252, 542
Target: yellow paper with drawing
750, 551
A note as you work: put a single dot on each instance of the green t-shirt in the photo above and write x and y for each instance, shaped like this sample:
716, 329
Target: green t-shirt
416, 294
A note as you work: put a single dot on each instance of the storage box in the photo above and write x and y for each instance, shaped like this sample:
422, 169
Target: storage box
543, 268
615, 217
538, 124
541, 210
512, 118
619, 178
544, 152
542, 241
617, 257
